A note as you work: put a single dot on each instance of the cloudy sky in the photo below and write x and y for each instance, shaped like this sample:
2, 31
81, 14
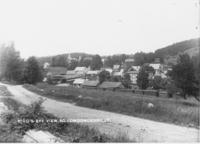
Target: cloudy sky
48, 27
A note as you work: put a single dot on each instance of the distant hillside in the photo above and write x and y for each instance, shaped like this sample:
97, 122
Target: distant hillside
193, 51
167, 54
48, 59
180, 47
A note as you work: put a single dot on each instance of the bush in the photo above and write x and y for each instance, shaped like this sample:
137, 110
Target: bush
32, 72
69, 132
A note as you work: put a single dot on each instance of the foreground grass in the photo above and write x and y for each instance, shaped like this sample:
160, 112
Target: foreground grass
174, 111
4, 91
13, 131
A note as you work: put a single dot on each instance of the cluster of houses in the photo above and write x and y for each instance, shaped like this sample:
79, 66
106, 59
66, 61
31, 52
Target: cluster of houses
85, 77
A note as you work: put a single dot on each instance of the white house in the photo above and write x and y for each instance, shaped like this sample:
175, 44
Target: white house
46, 65
159, 70
116, 67
129, 60
108, 69
118, 73
92, 75
133, 72
78, 82
81, 70
94, 72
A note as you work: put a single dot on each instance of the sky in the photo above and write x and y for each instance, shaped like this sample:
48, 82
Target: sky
105, 27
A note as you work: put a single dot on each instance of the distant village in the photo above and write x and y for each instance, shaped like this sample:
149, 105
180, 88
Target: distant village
82, 76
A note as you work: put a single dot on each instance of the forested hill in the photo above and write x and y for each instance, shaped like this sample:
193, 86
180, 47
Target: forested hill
190, 47
48, 59
177, 48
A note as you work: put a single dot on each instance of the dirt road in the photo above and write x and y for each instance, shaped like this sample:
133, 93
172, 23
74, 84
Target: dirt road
138, 129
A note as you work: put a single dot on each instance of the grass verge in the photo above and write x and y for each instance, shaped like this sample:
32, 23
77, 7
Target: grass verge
4, 91
14, 130
180, 112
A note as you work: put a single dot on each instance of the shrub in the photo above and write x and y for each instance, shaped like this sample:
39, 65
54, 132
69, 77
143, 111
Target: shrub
69, 132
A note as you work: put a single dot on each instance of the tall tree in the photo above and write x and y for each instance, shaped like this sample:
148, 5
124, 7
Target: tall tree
72, 65
184, 76
158, 82
171, 88
32, 73
84, 62
96, 63
11, 65
143, 78
139, 58
59, 61
104, 76
109, 62
126, 81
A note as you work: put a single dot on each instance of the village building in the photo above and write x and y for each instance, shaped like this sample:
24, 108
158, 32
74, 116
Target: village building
92, 75
56, 71
46, 65
118, 73
129, 60
70, 58
133, 72
116, 67
90, 84
111, 85
128, 63
81, 70
87, 58
110, 70
103, 60
160, 70
56, 74
78, 82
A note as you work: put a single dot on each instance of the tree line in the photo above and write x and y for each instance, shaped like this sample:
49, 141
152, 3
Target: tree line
182, 79
62, 61
15, 69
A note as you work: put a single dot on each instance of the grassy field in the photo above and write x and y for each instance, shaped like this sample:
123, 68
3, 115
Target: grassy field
176, 111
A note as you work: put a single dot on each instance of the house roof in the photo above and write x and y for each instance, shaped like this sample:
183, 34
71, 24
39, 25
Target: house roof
80, 69
78, 81
88, 58
92, 72
109, 70
155, 66
90, 83
129, 60
120, 73
137, 68
46, 65
70, 72
116, 66
57, 70
134, 69
72, 76
111, 85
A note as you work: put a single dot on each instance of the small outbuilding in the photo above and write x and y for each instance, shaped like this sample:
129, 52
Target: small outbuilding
90, 84
111, 85
78, 82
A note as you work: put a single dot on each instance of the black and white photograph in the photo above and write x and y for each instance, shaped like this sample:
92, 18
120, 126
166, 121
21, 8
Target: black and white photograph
99, 71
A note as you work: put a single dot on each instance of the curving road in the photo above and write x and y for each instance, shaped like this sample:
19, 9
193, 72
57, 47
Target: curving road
140, 130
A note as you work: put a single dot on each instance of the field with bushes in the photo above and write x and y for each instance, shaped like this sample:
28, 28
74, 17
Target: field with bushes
13, 131
177, 111
4, 91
